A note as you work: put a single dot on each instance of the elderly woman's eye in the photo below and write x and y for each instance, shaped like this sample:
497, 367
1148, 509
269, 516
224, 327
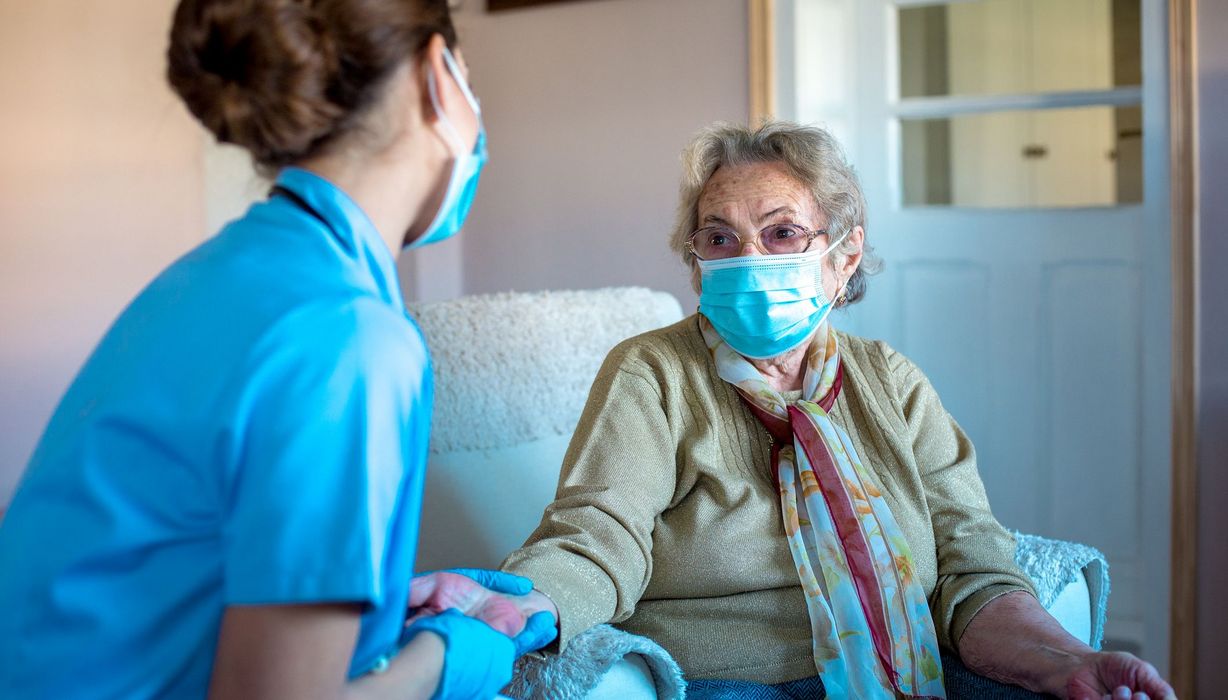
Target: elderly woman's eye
784, 233
720, 239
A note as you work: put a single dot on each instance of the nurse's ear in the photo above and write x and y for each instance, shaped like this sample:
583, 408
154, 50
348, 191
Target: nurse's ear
442, 97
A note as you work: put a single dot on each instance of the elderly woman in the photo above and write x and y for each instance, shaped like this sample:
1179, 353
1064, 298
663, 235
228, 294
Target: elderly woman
778, 503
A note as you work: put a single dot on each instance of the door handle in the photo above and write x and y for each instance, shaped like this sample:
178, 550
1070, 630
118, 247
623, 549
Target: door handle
1035, 150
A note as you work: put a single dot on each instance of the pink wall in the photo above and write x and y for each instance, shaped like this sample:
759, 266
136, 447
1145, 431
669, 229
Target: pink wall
103, 181
99, 189
588, 106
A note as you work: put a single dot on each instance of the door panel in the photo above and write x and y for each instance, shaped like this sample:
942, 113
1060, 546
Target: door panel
928, 290
1091, 361
1035, 319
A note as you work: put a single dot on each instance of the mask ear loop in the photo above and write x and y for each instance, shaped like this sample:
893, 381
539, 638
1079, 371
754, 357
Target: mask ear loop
819, 270
463, 84
458, 146
832, 246
449, 131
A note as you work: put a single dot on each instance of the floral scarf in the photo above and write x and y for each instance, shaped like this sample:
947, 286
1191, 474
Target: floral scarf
871, 626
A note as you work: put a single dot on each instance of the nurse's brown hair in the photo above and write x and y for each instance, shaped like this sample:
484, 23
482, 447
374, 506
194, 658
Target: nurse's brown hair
284, 79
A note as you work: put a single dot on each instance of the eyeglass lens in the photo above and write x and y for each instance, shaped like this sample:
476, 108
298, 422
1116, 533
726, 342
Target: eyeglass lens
716, 242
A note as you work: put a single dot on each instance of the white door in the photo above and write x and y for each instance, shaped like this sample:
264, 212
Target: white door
1024, 274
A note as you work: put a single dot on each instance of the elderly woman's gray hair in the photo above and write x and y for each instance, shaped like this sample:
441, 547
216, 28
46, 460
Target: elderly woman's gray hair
809, 153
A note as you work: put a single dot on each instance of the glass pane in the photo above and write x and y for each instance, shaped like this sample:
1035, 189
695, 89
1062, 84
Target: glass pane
1090, 156
1018, 46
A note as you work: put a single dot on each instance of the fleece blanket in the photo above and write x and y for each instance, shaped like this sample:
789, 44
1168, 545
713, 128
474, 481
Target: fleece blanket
572, 675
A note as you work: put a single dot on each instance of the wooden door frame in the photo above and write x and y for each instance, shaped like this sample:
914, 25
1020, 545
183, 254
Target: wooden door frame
761, 21
1183, 164
1183, 612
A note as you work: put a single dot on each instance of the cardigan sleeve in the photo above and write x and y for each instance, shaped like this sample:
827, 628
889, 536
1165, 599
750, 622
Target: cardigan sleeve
975, 554
592, 551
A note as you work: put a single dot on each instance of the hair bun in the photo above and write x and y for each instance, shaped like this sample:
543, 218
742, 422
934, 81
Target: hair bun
256, 73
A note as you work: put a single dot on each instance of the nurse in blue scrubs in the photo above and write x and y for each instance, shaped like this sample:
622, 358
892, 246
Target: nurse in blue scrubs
225, 503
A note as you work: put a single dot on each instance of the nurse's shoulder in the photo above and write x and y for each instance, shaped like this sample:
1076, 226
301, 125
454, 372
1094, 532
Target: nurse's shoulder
338, 333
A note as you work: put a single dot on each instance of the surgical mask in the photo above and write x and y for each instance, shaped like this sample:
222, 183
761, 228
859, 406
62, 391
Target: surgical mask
466, 167
765, 305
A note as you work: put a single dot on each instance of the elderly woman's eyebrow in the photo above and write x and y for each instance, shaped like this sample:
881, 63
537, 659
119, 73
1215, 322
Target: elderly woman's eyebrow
779, 212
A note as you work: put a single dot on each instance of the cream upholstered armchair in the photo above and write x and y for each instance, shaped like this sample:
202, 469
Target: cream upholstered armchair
512, 374
524, 363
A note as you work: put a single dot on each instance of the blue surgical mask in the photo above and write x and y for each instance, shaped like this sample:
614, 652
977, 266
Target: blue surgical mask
765, 305
466, 167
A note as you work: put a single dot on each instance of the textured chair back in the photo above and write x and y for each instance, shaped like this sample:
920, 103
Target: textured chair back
512, 372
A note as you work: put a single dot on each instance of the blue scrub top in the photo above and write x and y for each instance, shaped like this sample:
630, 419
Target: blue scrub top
251, 431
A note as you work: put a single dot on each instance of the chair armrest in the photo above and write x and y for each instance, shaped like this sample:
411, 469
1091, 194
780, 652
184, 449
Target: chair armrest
600, 663
628, 679
1054, 566
1073, 609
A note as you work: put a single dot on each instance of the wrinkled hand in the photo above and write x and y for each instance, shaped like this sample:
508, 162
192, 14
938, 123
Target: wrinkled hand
1117, 675
507, 608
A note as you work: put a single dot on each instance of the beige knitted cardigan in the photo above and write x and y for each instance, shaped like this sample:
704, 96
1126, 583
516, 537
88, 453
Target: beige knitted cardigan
667, 522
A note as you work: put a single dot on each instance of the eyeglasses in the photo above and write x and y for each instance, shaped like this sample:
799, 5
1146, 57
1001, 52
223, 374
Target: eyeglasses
719, 242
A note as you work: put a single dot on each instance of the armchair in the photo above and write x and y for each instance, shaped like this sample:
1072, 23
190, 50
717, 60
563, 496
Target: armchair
525, 361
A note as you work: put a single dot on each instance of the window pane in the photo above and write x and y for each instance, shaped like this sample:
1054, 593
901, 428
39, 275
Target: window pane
1018, 46
1090, 156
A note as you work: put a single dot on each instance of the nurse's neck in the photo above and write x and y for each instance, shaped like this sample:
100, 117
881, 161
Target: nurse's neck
396, 168
391, 189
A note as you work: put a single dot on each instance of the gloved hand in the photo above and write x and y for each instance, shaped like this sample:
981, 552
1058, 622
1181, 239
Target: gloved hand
497, 581
540, 630
503, 601
477, 660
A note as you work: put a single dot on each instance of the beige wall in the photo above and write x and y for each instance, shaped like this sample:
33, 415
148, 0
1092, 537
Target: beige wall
99, 189
588, 105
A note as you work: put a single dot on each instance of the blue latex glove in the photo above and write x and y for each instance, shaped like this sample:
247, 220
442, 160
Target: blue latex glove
477, 659
539, 630
497, 581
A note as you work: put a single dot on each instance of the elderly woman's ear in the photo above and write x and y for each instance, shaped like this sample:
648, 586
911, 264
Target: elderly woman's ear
847, 257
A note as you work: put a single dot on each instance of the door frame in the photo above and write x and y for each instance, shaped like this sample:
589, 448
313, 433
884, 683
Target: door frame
1183, 612
1183, 163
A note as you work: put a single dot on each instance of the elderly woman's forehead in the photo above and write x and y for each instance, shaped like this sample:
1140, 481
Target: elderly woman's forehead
755, 183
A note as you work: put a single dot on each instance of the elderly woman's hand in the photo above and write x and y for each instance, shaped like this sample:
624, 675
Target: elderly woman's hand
1015, 640
503, 601
1116, 675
